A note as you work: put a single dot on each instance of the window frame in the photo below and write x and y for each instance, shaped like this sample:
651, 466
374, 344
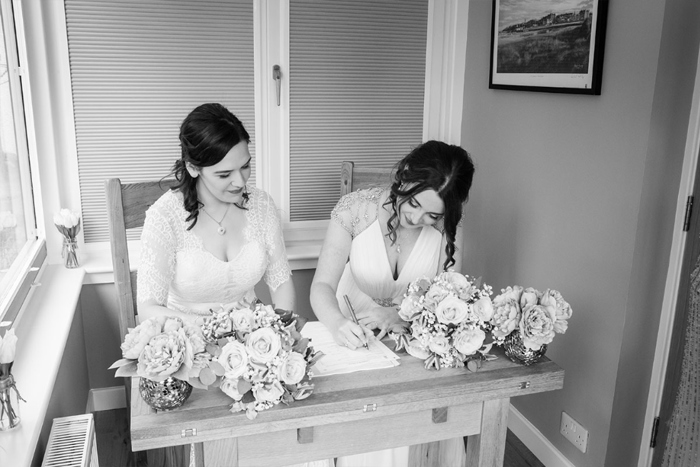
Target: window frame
32, 257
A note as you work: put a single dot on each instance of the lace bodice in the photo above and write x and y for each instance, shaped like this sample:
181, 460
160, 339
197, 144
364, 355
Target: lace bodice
177, 271
367, 278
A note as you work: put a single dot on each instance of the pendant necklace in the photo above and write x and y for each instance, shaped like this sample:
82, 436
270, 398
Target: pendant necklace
398, 242
221, 230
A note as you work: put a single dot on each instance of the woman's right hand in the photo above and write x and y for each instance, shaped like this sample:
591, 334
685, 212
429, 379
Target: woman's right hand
348, 334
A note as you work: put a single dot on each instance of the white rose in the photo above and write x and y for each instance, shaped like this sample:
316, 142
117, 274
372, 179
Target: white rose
458, 281
483, 308
263, 345
234, 359
271, 392
242, 320
452, 310
469, 341
439, 344
230, 388
409, 309
294, 369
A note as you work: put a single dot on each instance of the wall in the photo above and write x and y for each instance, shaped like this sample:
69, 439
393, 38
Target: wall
101, 322
574, 193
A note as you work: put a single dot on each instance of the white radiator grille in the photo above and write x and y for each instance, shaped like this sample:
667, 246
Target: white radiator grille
72, 443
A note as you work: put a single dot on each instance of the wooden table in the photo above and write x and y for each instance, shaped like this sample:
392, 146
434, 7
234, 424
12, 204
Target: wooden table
352, 413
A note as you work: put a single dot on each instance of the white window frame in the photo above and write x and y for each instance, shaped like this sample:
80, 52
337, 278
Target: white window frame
53, 119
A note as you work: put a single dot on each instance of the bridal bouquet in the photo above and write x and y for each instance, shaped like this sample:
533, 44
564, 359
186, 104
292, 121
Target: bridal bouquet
262, 355
449, 316
68, 223
529, 315
164, 347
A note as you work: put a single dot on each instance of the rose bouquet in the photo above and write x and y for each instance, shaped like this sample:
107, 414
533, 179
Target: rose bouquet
9, 395
449, 316
529, 316
68, 223
164, 347
263, 356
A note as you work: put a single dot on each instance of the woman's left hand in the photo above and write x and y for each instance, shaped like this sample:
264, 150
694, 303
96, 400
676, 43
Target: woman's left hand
383, 318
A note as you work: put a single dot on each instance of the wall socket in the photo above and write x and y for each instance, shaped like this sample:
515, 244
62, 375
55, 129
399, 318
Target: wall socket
574, 432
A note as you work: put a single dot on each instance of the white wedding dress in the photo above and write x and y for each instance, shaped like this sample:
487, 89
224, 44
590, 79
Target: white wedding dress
178, 272
368, 279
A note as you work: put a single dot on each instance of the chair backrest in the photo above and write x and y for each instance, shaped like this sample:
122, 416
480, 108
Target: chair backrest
126, 207
355, 178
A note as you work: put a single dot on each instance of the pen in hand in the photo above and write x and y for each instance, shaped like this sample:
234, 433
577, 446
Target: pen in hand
354, 316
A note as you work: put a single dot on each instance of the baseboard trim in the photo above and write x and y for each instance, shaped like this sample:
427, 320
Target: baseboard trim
106, 399
535, 441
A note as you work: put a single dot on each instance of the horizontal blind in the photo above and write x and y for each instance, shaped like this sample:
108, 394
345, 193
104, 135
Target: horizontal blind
138, 67
357, 80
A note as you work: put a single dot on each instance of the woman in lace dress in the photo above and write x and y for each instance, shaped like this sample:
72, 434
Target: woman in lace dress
209, 240
381, 239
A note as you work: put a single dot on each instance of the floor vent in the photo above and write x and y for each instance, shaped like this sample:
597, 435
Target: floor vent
72, 443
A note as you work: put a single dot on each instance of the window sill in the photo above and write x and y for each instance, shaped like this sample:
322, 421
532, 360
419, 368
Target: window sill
96, 258
42, 329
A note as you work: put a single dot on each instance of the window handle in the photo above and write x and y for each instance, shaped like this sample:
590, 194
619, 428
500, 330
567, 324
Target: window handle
277, 76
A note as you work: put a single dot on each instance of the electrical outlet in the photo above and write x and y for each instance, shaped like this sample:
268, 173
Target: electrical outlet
574, 432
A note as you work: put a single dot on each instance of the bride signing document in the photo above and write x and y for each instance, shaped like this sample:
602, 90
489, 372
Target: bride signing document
211, 239
381, 239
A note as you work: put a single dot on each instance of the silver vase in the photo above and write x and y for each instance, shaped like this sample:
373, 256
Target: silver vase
165, 395
518, 353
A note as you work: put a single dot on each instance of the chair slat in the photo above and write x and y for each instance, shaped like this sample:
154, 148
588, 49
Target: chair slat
356, 178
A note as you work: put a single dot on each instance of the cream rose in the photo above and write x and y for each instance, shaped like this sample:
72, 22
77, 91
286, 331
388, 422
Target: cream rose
537, 326
162, 356
468, 341
230, 388
294, 369
409, 309
483, 308
436, 294
242, 320
439, 344
263, 345
452, 310
137, 338
505, 318
270, 392
234, 359
458, 281
416, 349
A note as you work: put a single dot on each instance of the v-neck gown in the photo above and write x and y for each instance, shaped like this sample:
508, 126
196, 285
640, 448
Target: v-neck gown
368, 280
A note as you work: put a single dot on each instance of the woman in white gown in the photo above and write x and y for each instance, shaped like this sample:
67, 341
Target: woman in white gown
381, 239
211, 239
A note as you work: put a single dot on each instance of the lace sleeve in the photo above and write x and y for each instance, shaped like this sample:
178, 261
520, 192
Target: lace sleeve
157, 264
357, 210
278, 270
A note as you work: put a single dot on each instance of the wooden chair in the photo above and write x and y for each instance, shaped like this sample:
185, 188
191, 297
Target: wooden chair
126, 209
355, 178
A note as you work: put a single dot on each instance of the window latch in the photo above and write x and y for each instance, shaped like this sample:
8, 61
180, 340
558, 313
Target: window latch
277, 76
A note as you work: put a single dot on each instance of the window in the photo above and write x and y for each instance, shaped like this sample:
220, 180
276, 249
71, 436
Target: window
21, 253
138, 66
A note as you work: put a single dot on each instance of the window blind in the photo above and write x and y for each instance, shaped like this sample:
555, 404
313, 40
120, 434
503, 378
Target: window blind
357, 79
138, 67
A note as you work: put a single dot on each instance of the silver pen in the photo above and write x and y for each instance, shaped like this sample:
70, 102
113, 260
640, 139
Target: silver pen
354, 316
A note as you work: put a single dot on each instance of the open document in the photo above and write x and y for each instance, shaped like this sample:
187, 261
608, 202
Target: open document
338, 359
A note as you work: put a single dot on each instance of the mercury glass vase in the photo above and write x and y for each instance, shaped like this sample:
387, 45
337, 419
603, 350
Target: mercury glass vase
165, 395
517, 352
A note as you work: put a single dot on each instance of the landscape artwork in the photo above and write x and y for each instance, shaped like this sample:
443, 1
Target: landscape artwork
547, 45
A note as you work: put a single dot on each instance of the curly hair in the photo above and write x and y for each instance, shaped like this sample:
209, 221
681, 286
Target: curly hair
207, 134
449, 171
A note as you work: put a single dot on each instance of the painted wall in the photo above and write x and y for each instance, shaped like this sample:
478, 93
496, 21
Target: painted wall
577, 193
101, 322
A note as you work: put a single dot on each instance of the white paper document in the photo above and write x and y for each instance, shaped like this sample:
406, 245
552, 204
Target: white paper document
338, 359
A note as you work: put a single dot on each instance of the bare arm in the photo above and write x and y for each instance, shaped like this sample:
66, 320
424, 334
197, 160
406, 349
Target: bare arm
284, 296
331, 263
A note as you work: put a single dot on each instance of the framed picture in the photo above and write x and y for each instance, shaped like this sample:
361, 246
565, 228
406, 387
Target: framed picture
548, 45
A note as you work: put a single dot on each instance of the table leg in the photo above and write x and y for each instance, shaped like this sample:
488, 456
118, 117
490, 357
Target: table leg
438, 454
487, 448
216, 453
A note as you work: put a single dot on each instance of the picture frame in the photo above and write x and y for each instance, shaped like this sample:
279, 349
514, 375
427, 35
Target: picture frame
548, 45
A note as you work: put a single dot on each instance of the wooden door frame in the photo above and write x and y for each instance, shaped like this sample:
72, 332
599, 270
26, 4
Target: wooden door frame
674, 276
